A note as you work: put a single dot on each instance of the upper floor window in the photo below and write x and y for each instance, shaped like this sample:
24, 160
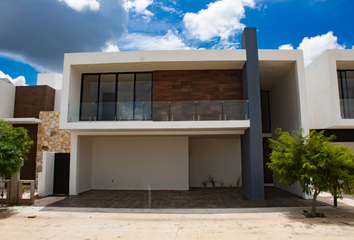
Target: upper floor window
116, 96
346, 92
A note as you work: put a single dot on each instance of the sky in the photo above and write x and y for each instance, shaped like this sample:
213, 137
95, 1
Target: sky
36, 34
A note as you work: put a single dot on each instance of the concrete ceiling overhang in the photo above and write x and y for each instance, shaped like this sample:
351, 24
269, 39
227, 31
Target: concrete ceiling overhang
345, 65
270, 72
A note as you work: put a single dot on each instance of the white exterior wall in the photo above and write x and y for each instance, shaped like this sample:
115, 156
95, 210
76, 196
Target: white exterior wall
74, 171
57, 100
322, 90
85, 163
284, 104
7, 98
140, 163
53, 80
217, 157
285, 114
46, 177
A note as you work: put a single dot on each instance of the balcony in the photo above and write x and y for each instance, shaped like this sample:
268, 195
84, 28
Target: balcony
213, 110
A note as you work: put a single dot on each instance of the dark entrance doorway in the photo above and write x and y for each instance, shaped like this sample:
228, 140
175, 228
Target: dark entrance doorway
267, 173
61, 173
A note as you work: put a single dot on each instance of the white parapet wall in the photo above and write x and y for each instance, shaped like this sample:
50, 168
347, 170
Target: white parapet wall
53, 80
46, 177
7, 98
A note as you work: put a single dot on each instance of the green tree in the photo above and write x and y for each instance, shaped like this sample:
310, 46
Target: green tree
14, 145
314, 161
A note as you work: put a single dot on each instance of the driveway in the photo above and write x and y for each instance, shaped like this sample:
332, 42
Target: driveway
194, 198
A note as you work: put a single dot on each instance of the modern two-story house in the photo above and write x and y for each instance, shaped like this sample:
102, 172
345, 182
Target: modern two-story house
165, 120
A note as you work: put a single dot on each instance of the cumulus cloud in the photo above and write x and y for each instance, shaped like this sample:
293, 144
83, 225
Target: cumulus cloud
286, 47
353, 47
137, 41
220, 19
80, 5
19, 81
139, 7
110, 47
39, 32
315, 46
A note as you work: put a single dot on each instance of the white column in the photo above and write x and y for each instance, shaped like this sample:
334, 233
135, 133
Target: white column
74, 169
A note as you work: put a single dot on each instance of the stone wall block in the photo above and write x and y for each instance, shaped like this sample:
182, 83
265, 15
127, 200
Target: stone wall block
51, 138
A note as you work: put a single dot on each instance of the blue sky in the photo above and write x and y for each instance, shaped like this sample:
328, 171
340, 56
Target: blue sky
37, 33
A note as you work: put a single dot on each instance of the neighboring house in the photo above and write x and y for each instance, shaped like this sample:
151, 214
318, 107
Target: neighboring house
330, 94
165, 120
35, 108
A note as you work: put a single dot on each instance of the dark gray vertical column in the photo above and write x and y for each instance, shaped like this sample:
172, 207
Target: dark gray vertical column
251, 141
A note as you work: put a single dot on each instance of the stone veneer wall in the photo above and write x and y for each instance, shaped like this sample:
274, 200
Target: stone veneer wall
50, 138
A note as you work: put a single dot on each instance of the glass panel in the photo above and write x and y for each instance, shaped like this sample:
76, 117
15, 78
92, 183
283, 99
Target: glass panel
89, 96
350, 84
125, 97
107, 97
209, 110
346, 93
161, 111
143, 85
183, 111
235, 110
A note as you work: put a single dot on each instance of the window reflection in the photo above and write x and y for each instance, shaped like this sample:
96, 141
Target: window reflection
121, 97
346, 92
89, 97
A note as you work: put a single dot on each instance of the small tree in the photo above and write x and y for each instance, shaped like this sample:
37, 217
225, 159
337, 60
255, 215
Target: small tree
313, 161
14, 145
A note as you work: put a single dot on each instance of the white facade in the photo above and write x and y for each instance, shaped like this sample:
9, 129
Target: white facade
323, 92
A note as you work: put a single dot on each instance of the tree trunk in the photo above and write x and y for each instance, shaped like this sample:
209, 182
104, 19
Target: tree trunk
315, 194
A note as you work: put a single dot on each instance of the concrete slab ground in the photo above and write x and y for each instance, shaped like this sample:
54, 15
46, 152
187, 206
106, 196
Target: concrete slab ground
112, 223
61, 222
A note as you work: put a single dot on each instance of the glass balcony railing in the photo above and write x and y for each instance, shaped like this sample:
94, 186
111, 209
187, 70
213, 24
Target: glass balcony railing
213, 110
347, 108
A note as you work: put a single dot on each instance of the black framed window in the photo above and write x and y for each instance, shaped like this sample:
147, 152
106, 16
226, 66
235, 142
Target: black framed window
346, 92
116, 96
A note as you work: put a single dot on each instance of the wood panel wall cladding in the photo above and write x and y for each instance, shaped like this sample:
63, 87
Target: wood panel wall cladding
184, 87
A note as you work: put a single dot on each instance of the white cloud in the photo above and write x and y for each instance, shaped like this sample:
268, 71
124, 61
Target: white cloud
110, 48
19, 81
315, 46
286, 47
353, 47
168, 9
220, 19
225, 44
139, 6
137, 41
80, 5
